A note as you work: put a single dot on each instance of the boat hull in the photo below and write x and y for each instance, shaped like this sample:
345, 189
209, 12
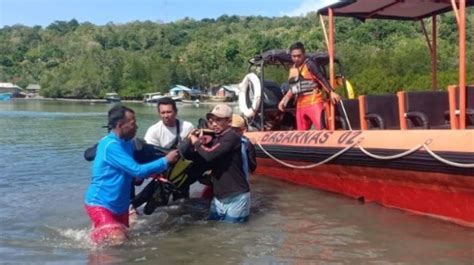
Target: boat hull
112, 100
414, 181
5, 96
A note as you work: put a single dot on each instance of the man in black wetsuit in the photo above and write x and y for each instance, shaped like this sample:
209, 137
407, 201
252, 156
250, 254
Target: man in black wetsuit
231, 200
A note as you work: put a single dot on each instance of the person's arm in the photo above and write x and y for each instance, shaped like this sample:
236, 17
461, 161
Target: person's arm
90, 152
321, 79
222, 147
252, 157
186, 149
116, 156
284, 101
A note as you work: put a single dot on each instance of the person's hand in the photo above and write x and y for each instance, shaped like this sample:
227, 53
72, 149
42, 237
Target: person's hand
334, 97
194, 132
172, 156
193, 138
282, 104
137, 181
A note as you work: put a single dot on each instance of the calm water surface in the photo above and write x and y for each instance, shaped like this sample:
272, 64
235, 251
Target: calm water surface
43, 177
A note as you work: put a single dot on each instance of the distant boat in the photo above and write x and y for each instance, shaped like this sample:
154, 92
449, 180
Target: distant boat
177, 98
152, 97
189, 101
5, 96
112, 98
206, 98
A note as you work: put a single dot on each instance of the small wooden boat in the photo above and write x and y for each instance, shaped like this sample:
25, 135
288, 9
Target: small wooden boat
112, 98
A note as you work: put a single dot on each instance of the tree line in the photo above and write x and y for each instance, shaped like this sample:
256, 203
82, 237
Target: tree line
82, 60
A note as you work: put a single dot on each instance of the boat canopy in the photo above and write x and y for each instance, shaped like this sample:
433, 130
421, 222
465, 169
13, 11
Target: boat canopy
390, 9
282, 56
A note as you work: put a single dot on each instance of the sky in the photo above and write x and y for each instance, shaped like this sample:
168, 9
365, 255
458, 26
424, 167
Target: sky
100, 12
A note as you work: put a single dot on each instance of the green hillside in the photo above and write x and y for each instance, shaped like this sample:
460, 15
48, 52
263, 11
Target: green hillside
76, 60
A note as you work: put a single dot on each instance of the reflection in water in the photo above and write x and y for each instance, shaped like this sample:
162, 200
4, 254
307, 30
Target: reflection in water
42, 220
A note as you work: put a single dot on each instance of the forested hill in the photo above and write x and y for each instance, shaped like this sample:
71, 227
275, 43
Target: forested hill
82, 60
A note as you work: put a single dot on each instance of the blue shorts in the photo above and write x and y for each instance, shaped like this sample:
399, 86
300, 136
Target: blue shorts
233, 209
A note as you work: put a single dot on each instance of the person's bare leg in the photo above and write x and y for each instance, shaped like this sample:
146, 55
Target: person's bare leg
132, 215
116, 238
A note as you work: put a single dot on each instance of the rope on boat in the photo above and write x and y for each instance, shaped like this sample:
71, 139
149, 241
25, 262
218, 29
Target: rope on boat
443, 160
392, 156
363, 150
306, 166
345, 115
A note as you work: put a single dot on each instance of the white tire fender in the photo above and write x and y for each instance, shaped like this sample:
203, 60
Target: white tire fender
250, 79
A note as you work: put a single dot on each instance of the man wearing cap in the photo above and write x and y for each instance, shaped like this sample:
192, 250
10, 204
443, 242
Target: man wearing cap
108, 196
249, 161
231, 200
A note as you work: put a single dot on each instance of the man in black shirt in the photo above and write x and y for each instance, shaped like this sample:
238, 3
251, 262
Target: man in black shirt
231, 200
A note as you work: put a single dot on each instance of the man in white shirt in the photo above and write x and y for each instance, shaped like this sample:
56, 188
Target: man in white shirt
163, 133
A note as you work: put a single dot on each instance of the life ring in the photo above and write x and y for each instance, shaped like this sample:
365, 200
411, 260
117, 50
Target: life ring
250, 79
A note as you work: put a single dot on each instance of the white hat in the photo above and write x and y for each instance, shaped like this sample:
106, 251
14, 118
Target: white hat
220, 111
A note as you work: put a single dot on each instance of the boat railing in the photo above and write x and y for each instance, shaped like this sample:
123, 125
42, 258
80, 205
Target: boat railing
403, 110
348, 114
423, 109
454, 108
379, 112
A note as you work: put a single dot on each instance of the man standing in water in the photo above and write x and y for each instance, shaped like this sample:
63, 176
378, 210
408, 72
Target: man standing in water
165, 132
310, 84
107, 199
168, 133
231, 200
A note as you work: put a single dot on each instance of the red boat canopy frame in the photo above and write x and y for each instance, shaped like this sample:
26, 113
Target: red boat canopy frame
390, 9
414, 10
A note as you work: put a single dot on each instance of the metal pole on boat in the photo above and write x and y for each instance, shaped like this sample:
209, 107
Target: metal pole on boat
434, 53
363, 121
401, 110
432, 47
262, 122
453, 119
460, 13
323, 26
332, 79
462, 64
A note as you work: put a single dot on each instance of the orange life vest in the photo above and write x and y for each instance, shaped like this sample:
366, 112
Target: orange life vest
306, 99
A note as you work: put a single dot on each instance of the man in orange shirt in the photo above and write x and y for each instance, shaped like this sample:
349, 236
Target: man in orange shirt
307, 83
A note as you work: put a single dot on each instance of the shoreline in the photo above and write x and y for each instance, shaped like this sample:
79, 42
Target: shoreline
76, 100
104, 101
